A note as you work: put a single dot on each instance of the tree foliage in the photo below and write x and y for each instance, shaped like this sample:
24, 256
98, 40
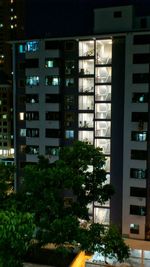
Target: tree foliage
16, 231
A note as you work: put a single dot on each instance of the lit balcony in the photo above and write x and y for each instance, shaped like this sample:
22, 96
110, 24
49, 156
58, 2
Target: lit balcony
103, 75
104, 51
86, 85
103, 93
86, 48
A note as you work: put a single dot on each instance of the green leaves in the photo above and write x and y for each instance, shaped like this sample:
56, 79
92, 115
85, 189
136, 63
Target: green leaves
16, 232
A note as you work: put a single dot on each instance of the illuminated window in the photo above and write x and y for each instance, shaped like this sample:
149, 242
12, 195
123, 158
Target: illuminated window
69, 134
21, 116
32, 80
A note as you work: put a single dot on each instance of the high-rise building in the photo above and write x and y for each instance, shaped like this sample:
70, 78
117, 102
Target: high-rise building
12, 25
93, 88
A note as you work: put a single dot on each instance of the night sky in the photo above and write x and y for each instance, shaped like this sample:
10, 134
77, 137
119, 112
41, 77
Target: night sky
52, 18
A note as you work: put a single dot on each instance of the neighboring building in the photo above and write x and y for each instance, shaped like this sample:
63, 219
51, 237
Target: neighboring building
11, 28
6, 119
93, 88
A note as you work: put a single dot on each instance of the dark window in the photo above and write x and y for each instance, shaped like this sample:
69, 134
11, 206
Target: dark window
69, 45
137, 192
69, 82
69, 102
137, 173
139, 116
52, 44
32, 98
139, 136
32, 63
141, 39
117, 14
33, 115
54, 116
141, 78
137, 210
52, 98
52, 133
138, 154
69, 119
141, 58
143, 23
69, 67
140, 97
33, 150
52, 151
134, 228
32, 132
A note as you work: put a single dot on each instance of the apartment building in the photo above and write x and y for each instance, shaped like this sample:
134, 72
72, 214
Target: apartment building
93, 88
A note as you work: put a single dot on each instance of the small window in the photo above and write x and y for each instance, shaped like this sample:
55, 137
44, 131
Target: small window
140, 97
52, 80
54, 116
69, 82
69, 45
137, 210
134, 228
138, 173
52, 133
141, 39
141, 78
69, 134
52, 98
32, 63
52, 151
139, 136
140, 117
117, 14
143, 23
137, 192
32, 80
138, 154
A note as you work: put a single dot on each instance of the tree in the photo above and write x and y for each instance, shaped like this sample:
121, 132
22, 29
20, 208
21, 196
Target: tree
78, 174
16, 232
6, 183
105, 240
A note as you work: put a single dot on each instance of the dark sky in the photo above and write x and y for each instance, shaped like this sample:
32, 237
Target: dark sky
69, 17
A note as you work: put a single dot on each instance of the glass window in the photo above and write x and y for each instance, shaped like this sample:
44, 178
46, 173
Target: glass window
32, 80
86, 102
86, 120
32, 132
86, 67
140, 97
137, 210
33, 150
139, 136
103, 111
52, 116
32, 115
101, 215
52, 98
69, 67
32, 98
103, 75
23, 132
69, 82
142, 39
86, 48
140, 78
141, 58
103, 93
138, 154
32, 63
104, 51
86, 85
52, 133
137, 192
86, 136
52, 151
69, 134
69, 102
32, 46
51, 62
138, 173
134, 228
52, 80
139, 116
